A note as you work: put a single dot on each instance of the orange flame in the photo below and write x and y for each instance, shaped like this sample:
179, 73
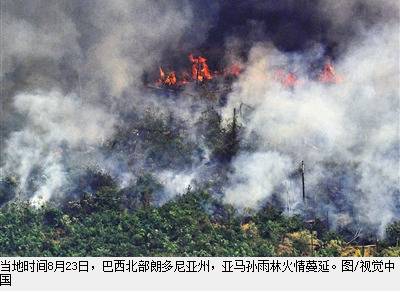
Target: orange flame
287, 79
169, 79
234, 70
328, 74
200, 70
162, 74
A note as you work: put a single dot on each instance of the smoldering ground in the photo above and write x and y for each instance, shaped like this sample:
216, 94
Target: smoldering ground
72, 79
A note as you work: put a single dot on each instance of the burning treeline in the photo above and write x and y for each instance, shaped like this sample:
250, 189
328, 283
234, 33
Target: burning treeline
200, 72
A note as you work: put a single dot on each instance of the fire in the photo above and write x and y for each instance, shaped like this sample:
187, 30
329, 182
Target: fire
234, 70
162, 74
200, 70
328, 74
171, 79
287, 79
167, 79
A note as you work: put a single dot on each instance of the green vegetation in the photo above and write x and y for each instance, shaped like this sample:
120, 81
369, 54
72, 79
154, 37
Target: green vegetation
113, 222
95, 217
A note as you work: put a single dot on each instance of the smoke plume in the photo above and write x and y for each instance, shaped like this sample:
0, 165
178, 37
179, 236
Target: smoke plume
74, 94
346, 132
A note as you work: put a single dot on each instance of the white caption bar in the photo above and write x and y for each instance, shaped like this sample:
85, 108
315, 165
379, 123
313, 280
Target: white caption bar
178, 273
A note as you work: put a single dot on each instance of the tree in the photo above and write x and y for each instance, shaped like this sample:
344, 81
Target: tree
145, 192
228, 144
393, 233
8, 188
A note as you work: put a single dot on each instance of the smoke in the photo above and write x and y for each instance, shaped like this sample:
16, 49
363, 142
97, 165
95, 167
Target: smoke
53, 122
71, 70
175, 183
296, 26
255, 178
72, 78
345, 132
133, 34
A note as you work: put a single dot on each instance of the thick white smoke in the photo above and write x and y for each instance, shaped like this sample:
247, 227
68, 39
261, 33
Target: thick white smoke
52, 122
255, 178
98, 50
175, 182
354, 124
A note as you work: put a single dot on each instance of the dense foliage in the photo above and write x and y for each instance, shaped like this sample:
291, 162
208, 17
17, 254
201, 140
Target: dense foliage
96, 217
113, 222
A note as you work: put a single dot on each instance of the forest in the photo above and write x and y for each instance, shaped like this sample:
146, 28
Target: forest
99, 218
199, 128
101, 224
